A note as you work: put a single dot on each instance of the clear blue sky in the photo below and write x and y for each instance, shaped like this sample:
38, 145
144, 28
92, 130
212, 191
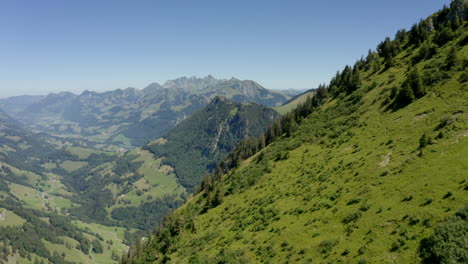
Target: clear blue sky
50, 46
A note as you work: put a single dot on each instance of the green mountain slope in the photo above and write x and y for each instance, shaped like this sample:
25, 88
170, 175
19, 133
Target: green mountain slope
133, 117
34, 223
197, 144
364, 172
294, 102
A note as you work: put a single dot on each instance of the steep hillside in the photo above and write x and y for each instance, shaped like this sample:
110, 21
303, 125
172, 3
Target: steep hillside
372, 169
197, 144
133, 117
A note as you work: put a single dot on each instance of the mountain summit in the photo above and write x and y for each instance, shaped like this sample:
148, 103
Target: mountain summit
132, 117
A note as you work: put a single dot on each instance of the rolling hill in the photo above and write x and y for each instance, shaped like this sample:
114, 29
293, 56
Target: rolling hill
132, 117
372, 169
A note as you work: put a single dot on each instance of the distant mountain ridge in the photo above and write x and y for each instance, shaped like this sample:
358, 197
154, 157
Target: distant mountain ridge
16, 104
131, 117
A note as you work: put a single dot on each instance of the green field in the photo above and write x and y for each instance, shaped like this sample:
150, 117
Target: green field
71, 166
158, 180
83, 153
8, 218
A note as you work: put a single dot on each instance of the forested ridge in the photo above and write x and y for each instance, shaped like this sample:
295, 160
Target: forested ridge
196, 145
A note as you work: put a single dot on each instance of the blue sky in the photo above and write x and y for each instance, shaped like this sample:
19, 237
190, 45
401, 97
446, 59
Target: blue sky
49, 46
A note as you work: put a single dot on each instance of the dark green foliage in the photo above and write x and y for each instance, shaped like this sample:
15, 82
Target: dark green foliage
347, 81
97, 247
443, 36
447, 195
404, 96
94, 198
412, 88
327, 246
388, 49
407, 198
353, 217
419, 33
424, 141
125, 164
147, 215
426, 51
448, 243
415, 82
353, 201
372, 61
27, 238
452, 60
197, 144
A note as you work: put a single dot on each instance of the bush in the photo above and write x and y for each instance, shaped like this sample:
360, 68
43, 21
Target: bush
448, 243
327, 245
97, 247
424, 141
353, 217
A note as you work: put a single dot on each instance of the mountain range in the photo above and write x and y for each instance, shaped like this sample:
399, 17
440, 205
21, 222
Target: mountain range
369, 168
132, 117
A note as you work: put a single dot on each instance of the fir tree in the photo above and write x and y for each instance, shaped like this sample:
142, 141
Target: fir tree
452, 59
415, 82
456, 22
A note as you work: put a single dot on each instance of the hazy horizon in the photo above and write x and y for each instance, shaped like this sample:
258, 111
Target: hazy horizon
54, 46
78, 92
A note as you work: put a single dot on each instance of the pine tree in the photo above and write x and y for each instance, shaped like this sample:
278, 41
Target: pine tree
426, 51
405, 96
355, 82
456, 22
415, 82
452, 59
443, 35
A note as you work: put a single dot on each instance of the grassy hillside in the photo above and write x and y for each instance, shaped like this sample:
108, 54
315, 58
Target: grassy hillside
294, 102
372, 169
